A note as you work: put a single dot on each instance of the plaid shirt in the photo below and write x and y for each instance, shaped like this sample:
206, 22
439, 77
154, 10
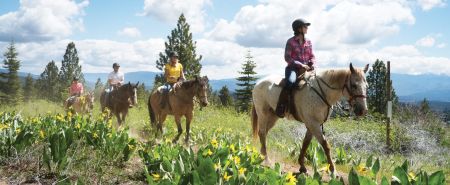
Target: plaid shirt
296, 52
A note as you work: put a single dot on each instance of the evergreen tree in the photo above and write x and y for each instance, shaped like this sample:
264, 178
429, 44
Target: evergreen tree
180, 40
11, 83
377, 92
225, 97
246, 84
142, 94
28, 89
98, 88
48, 83
424, 106
69, 68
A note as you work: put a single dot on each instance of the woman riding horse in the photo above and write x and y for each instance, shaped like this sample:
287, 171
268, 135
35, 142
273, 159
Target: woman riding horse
312, 103
180, 103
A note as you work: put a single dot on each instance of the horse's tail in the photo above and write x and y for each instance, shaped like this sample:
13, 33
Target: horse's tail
151, 112
254, 121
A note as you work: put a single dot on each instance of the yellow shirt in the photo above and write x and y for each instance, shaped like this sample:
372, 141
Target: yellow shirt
174, 72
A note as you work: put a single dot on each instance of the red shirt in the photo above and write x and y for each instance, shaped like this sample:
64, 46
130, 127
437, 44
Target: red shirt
295, 51
76, 88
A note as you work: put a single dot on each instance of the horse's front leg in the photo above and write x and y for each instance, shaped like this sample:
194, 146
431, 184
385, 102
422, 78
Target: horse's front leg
124, 115
180, 129
119, 121
189, 117
301, 157
317, 132
161, 117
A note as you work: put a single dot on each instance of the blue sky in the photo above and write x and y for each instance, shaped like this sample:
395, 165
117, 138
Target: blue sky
413, 35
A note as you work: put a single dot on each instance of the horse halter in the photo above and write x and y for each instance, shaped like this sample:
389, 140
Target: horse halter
352, 95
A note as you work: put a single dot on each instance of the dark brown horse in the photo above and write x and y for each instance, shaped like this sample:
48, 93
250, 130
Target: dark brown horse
120, 100
181, 103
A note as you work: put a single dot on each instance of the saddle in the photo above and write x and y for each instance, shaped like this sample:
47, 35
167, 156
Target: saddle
286, 98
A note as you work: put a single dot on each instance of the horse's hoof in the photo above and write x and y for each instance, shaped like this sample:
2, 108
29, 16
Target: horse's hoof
302, 170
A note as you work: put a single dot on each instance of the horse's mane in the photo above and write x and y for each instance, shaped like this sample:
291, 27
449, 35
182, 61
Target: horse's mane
335, 76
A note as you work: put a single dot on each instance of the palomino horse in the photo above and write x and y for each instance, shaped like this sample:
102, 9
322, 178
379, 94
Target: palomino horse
120, 100
312, 104
181, 103
82, 104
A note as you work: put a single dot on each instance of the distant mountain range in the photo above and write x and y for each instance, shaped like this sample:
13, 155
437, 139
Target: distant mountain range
409, 88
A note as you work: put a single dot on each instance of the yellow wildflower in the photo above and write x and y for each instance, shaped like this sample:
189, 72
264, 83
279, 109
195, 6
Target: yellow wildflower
208, 153
131, 147
237, 160
248, 149
18, 130
242, 171
412, 176
156, 176
3, 126
226, 177
325, 168
217, 166
291, 180
78, 126
362, 168
109, 135
214, 143
232, 148
109, 123
69, 114
95, 135
41, 134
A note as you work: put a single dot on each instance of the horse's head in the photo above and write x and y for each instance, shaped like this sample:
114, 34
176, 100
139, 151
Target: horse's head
356, 88
202, 90
131, 92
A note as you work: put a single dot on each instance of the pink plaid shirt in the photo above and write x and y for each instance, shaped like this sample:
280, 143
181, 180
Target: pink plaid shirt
296, 52
76, 89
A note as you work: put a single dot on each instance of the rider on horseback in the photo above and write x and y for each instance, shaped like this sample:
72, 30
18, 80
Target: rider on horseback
299, 57
173, 73
75, 90
115, 80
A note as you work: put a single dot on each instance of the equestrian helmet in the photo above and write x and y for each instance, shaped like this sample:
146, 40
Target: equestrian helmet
299, 23
75, 78
173, 54
116, 65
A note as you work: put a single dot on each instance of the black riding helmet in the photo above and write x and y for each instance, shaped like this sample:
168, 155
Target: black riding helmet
75, 78
173, 54
116, 65
299, 23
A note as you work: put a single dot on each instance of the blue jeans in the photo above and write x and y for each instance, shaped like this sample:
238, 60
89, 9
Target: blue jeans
290, 74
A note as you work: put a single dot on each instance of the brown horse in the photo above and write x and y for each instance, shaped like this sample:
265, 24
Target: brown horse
82, 104
120, 100
181, 103
312, 103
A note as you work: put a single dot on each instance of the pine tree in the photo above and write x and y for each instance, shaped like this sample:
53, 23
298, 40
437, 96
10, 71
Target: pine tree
28, 89
225, 97
48, 83
98, 88
376, 92
180, 40
69, 68
11, 86
246, 82
424, 106
142, 94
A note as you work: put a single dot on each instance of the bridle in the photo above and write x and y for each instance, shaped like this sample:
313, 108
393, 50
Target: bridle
352, 95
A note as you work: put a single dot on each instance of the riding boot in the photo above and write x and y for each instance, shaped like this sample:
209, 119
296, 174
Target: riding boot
282, 102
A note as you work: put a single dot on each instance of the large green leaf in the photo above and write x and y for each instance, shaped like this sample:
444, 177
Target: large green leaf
384, 181
335, 182
353, 177
206, 171
366, 181
400, 176
369, 161
437, 178
376, 167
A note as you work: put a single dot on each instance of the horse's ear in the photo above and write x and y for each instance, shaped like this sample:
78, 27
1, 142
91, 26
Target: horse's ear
351, 68
137, 84
129, 83
196, 78
366, 68
206, 78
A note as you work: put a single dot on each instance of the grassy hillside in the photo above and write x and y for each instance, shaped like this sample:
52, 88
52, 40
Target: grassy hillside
423, 142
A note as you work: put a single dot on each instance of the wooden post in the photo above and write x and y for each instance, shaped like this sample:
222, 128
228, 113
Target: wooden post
388, 105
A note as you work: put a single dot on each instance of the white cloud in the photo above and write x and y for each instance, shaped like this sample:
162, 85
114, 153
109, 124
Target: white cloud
170, 10
427, 41
430, 4
441, 45
132, 32
42, 20
95, 55
334, 23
